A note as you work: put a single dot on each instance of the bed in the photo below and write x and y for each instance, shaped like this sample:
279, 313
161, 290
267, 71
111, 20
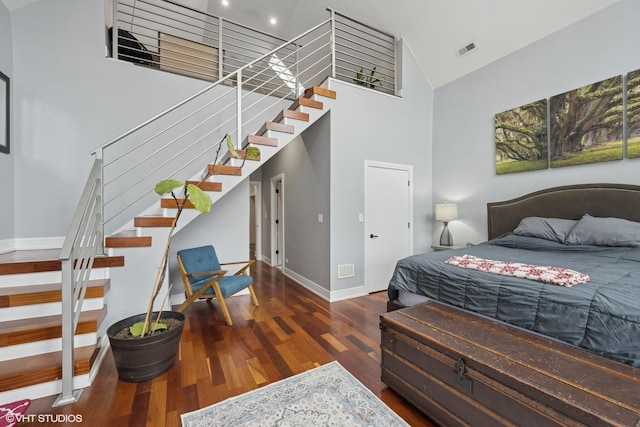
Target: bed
602, 315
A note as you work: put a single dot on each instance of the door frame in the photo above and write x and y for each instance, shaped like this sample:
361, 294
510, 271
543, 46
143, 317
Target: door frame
386, 165
274, 210
258, 215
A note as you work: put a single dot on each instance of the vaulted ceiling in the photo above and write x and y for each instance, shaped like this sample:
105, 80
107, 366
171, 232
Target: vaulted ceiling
434, 29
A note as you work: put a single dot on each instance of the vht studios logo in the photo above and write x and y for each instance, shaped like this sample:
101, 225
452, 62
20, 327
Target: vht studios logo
43, 418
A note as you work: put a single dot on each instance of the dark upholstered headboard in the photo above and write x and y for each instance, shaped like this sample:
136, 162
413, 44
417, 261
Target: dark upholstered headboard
570, 202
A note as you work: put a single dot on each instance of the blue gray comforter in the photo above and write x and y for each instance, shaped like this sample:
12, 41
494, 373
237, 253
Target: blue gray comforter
602, 316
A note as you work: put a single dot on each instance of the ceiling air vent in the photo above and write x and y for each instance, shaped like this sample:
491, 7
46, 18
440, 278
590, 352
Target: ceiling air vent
467, 49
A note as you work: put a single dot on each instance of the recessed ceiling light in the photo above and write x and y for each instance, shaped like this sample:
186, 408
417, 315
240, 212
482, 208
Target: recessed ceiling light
225, 2
273, 21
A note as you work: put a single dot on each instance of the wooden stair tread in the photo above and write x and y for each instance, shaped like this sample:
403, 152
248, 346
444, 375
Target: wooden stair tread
276, 127
37, 261
322, 91
42, 368
153, 221
51, 292
43, 328
127, 239
224, 170
260, 140
171, 204
307, 102
207, 185
292, 114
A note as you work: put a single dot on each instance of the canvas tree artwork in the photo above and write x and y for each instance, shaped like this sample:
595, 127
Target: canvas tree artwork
586, 124
521, 138
633, 114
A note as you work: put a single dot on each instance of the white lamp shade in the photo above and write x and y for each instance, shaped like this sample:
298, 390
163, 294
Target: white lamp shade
446, 212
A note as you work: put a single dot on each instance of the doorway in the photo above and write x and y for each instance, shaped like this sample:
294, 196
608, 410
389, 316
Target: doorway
388, 226
277, 221
255, 220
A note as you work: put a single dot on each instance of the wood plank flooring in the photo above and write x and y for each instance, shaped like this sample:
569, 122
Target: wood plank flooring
291, 331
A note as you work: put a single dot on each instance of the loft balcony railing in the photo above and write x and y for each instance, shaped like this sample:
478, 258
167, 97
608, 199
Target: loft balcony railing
179, 141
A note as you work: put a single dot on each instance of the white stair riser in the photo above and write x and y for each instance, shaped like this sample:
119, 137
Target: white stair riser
47, 309
42, 390
45, 346
43, 278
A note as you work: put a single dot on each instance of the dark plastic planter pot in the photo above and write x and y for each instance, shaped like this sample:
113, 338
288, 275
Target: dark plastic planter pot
141, 359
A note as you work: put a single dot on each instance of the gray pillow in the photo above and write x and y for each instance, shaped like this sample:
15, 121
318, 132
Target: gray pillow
554, 229
598, 231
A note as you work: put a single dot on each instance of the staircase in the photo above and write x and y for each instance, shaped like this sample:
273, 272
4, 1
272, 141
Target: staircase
30, 282
31, 326
119, 214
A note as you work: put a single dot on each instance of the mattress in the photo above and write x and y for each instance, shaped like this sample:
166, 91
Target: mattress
602, 315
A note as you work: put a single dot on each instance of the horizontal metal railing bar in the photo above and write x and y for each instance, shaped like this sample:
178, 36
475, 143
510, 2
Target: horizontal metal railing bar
252, 30
377, 49
357, 33
361, 23
183, 53
364, 59
227, 43
152, 17
351, 78
177, 11
379, 69
95, 177
174, 173
240, 49
228, 40
345, 58
157, 134
155, 30
197, 94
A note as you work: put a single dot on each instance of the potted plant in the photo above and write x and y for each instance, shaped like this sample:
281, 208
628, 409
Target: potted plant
366, 80
145, 346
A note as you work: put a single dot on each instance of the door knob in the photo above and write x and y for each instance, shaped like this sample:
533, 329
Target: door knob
373, 236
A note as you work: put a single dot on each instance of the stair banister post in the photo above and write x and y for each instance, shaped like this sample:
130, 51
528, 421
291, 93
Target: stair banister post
333, 42
220, 57
99, 156
67, 395
239, 109
114, 31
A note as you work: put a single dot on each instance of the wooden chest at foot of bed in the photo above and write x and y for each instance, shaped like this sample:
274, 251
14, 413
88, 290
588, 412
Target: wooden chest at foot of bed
461, 369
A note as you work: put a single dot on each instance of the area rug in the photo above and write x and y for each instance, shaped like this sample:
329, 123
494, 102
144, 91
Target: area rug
325, 396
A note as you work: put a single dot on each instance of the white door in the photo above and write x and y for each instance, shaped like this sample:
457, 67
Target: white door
388, 225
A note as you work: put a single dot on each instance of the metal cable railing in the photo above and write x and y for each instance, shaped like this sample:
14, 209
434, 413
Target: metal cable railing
180, 140
364, 55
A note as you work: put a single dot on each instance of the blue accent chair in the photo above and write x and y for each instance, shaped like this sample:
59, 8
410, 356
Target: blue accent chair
204, 277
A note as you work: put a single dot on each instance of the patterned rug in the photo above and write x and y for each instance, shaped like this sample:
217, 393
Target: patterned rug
325, 396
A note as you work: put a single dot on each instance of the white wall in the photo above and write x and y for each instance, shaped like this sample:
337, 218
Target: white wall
371, 126
68, 100
601, 46
6, 161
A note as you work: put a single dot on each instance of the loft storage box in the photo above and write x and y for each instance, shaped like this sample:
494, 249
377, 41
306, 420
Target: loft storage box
462, 369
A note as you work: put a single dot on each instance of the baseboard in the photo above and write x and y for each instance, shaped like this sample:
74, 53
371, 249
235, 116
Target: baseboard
33, 243
308, 284
349, 293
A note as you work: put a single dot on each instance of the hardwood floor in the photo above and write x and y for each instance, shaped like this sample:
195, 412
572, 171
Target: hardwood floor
293, 330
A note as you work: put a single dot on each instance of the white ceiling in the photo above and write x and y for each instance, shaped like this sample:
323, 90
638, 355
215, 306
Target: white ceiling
434, 29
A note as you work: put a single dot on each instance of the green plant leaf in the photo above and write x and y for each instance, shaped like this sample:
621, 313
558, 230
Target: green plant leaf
167, 186
201, 200
253, 153
232, 150
136, 328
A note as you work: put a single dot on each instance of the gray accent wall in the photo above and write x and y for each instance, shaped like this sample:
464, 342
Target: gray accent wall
304, 164
6, 161
601, 46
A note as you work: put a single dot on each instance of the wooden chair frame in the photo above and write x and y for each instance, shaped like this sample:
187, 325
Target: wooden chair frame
214, 285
